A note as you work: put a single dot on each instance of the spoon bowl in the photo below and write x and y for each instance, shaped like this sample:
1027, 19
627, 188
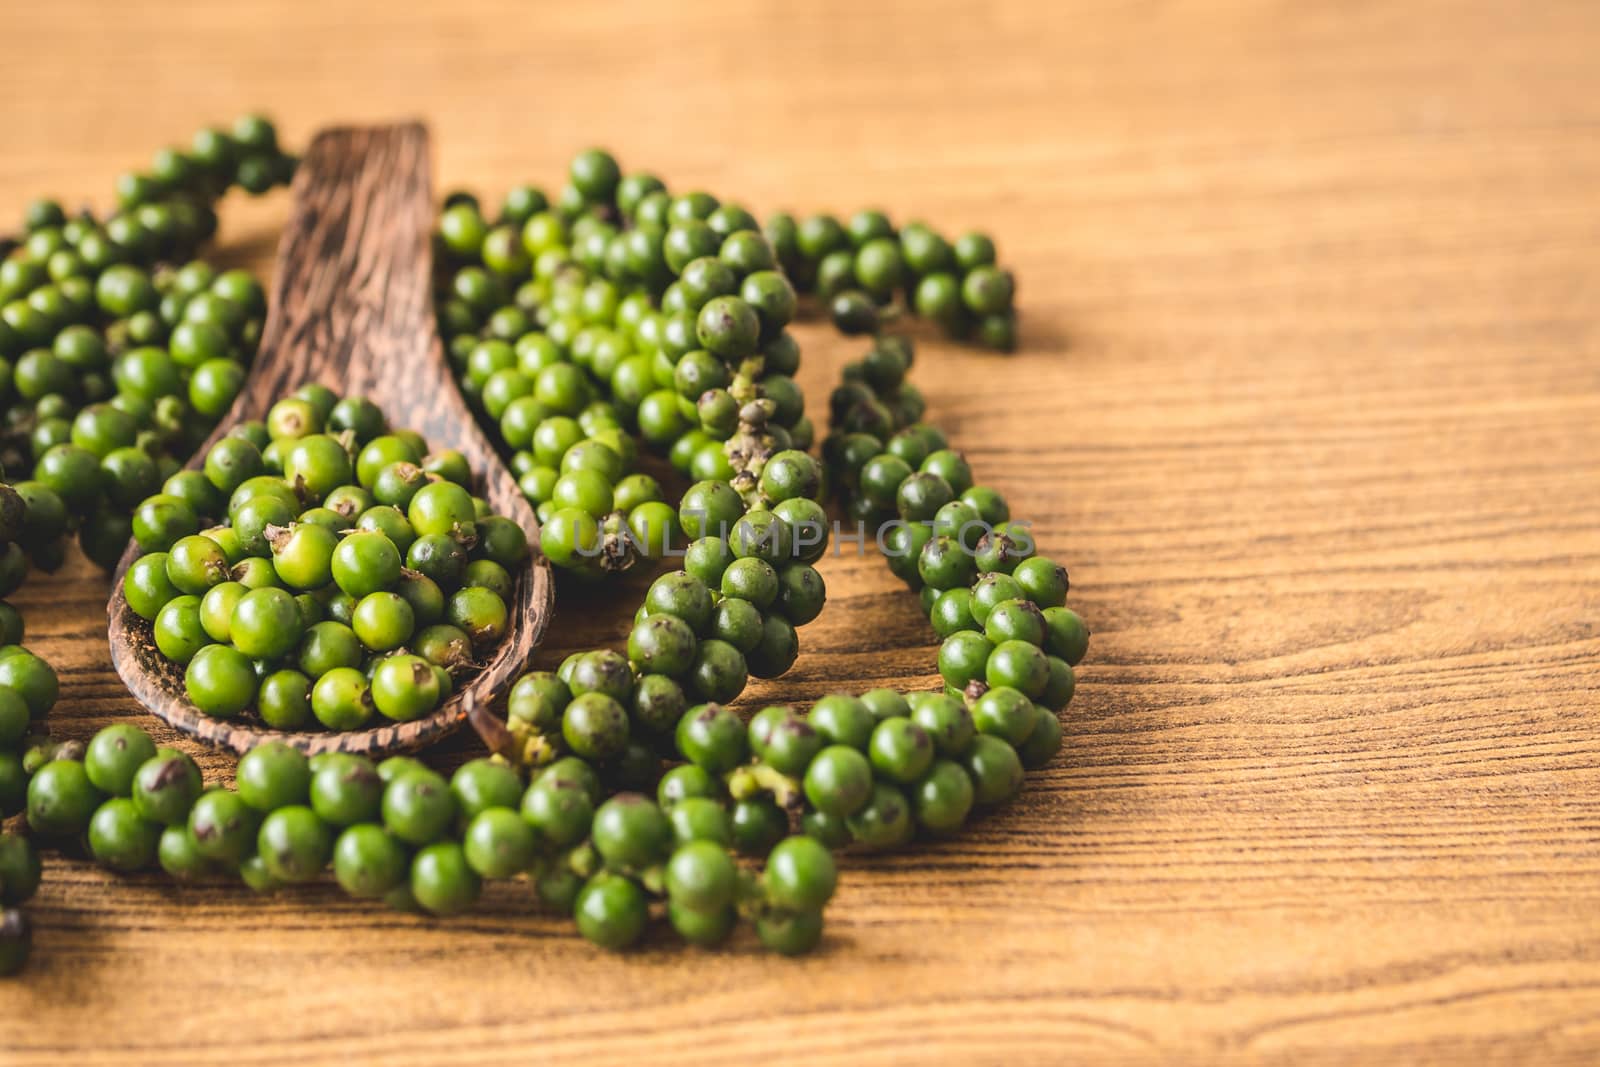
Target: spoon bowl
352, 309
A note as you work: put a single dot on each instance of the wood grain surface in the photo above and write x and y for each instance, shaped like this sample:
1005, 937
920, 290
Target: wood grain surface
1308, 400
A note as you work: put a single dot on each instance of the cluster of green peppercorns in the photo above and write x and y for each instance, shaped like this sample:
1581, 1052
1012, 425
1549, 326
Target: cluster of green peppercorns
32, 521
28, 690
322, 568
1010, 643
401, 833
617, 313
869, 272
872, 770
118, 350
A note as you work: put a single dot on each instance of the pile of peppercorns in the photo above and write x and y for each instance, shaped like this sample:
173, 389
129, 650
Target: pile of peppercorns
615, 340
354, 575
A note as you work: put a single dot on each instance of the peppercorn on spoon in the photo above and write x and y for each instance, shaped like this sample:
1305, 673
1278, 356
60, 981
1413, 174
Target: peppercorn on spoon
351, 308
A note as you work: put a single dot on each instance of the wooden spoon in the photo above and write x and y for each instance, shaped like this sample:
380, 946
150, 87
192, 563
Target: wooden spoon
352, 308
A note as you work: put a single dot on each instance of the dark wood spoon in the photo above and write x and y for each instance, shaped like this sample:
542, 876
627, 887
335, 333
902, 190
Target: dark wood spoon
352, 308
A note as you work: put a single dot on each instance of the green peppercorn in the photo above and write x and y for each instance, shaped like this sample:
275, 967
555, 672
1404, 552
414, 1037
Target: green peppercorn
404, 688
178, 857
166, 787
14, 721
328, 645
801, 595
1015, 620
800, 875
946, 720
20, 870
701, 877
498, 843
595, 174
995, 770
1019, 665
223, 827
790, 933
1060, 686
729, 327
219, 679
700, 818
712, 737
990, 590
197, 563
943, 798
663, 644
630, 832
900, 750
114, 756
559, 809
480, 613
963, 658
368, 862
842, 720
1066, 635
302, 556
122, 839
838, 780
294, 844
680, 594
485, 783
757, 824
439, 557
831, 830
611, 911
1043, 581
945, 564
273, 775
365, 563
686, 781
703, 928
418, 807
885, 821
346, 792
999, 552
987, 290
1043, 742
265, 624
146, 585
783, 740
854, 313
595, 726
14, 780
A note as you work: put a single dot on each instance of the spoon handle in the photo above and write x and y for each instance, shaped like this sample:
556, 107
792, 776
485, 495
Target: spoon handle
350, 303
352, 299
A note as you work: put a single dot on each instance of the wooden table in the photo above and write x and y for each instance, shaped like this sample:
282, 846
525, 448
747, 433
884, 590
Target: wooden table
1308, 399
